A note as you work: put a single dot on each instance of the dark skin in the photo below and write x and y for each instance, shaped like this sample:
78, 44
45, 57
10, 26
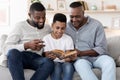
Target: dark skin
37, 17
78, 19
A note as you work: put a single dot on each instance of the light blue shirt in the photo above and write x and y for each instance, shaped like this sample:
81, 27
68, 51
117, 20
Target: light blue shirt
90, 36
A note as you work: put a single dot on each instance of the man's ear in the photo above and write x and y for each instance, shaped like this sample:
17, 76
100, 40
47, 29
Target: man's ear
83, 12
52, 26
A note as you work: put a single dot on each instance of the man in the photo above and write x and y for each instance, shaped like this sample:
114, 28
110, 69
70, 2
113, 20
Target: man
24, 46
89, 39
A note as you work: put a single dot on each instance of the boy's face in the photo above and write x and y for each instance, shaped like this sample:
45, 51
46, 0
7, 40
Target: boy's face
58, 29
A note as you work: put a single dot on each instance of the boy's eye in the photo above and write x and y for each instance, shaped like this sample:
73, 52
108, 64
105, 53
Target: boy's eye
57, 27
60, 28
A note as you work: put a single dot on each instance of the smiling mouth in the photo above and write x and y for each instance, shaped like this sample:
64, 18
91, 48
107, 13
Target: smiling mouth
40, 24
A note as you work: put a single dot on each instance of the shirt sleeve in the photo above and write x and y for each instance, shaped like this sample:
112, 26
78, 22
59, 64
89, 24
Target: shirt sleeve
46, 48
69, 43
100, 41
13, 40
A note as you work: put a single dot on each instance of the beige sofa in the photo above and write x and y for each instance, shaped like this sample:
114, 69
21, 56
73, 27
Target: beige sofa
113, 39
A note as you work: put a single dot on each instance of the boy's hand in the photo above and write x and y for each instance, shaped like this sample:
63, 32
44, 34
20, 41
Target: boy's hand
49, 55
67, 59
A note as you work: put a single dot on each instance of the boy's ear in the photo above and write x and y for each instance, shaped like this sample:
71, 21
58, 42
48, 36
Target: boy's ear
29, 14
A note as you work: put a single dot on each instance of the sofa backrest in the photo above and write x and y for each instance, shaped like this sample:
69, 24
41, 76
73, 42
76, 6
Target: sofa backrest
113, 44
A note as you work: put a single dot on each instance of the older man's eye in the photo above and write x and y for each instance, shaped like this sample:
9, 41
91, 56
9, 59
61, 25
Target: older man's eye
77, 16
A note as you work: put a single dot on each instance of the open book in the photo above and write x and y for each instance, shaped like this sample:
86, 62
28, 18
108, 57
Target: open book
61, 54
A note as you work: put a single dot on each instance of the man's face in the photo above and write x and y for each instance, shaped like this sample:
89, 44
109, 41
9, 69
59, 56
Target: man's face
58, 29
38, 19
77, 17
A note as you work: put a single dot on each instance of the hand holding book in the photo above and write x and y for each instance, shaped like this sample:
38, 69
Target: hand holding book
62, 55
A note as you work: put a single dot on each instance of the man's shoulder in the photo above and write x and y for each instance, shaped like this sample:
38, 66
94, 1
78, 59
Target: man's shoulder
47, 25
21, 23
47, 28
93, 20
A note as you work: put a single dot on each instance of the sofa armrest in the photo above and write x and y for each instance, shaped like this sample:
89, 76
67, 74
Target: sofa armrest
113, 44
2, 41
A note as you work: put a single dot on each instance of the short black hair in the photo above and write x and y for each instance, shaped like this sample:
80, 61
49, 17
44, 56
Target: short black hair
37, 6
75, 4
59, 17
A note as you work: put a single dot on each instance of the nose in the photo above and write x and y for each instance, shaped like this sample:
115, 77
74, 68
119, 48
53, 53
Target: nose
41, 20
59, 30
74, 19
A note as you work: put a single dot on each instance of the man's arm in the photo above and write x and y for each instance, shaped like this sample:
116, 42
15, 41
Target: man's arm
91, 53
35, 44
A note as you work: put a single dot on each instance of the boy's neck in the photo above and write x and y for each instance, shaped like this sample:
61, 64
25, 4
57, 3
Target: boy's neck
53, 35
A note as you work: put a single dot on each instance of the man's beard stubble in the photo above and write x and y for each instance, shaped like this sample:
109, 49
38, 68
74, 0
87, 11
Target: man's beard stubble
34, 24
37, 25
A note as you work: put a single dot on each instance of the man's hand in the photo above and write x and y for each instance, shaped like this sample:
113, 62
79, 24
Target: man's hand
35, 44
91, 53
73, 57
78, 52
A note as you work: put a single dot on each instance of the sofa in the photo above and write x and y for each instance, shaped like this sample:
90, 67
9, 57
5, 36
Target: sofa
113, 42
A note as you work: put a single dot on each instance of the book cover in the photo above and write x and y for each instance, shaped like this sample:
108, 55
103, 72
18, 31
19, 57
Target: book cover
61, 54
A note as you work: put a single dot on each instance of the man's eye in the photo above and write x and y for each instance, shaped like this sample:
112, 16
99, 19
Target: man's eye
37, 18
71, 16
77, 16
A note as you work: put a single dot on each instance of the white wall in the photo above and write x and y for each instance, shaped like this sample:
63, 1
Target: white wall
18, 12
89, 2
105, 17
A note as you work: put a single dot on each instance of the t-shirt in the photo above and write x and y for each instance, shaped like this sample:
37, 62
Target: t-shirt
64, 43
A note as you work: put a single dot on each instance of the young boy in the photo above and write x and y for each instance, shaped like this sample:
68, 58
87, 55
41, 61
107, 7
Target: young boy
60, 41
